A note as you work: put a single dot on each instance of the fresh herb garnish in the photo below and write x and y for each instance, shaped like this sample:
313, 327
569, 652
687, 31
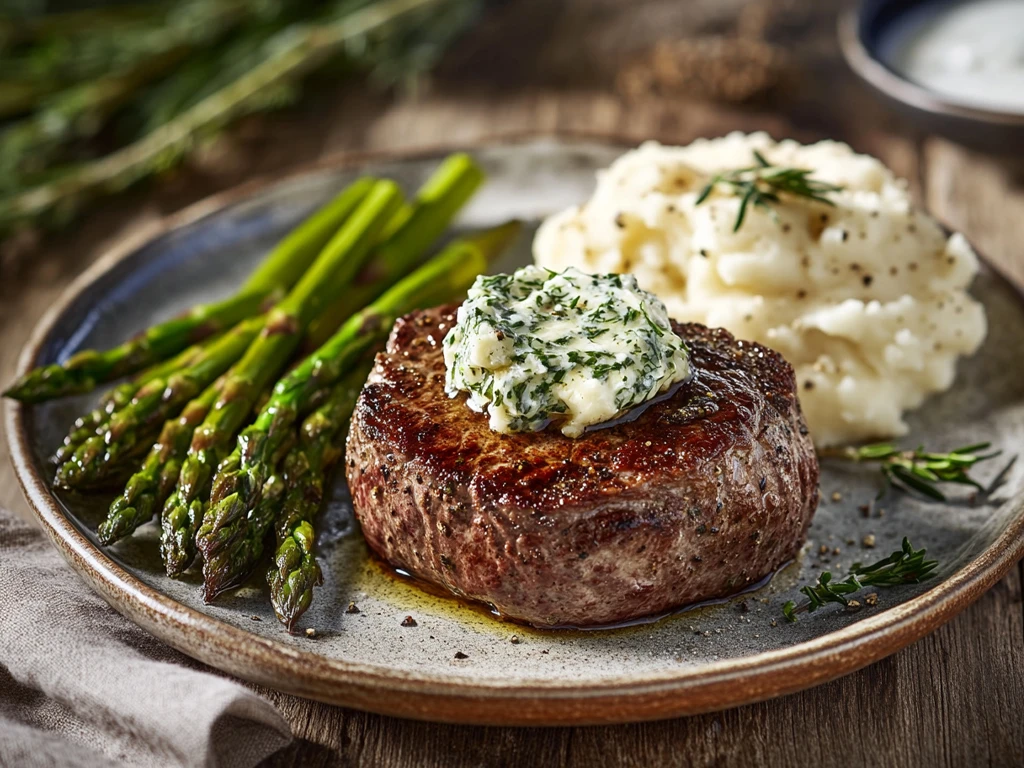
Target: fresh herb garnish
919, 470
904, 566
761, 184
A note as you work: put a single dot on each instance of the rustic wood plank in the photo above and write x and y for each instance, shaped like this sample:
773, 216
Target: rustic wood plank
981, 196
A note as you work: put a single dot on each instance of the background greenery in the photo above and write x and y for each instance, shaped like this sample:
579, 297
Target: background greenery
95, 96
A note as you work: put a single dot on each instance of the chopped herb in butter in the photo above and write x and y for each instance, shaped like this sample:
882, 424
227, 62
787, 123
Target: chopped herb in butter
537, 346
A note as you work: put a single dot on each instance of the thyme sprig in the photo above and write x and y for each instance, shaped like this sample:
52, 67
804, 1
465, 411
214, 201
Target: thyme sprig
904, 566
760, 185
919, 470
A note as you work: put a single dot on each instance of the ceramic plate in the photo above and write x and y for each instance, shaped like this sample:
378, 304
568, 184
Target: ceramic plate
458, 663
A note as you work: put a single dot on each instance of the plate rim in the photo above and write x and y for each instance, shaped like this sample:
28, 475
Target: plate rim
454, 698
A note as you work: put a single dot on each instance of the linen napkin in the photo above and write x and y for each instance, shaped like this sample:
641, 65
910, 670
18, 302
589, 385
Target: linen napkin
82, 686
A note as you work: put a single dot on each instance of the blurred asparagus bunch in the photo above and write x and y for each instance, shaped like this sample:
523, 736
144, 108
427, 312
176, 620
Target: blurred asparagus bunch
225, 433
92, 99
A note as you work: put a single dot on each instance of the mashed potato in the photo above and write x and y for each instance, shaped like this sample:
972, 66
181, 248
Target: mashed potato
866, 299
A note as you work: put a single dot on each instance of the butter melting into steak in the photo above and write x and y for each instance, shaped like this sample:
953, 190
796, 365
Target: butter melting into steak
701, 495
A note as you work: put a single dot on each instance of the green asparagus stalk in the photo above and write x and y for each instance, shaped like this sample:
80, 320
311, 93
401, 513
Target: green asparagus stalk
231, 534
232, 546
295, 571
132, 429
288, 263
217, 555
94, 422
441, 279
88, 424
332, 272
408, 236
148, 489
279, 272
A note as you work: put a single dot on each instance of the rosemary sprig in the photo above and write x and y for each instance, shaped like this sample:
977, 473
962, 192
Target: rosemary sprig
919, 470
760, 185
904, 566
235, 58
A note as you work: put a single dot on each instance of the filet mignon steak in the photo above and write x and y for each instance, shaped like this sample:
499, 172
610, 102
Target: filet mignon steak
704, 493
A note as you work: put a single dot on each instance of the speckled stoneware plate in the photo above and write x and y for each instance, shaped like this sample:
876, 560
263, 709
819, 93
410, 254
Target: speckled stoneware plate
458, 663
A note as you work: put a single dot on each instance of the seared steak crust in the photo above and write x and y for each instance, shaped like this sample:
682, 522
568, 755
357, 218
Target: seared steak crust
704, 493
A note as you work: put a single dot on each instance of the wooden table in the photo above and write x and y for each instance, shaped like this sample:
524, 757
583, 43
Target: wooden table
538, 66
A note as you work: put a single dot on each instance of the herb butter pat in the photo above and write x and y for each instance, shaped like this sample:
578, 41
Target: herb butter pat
537, 346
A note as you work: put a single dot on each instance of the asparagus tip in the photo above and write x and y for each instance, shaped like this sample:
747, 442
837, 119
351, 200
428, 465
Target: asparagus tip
48, 382
211, 538
68, 476
106, 532
292, 593
177, 552
125, 515
24, 387
212, 591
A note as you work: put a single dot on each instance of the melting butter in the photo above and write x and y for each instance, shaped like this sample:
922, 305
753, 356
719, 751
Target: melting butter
537, 346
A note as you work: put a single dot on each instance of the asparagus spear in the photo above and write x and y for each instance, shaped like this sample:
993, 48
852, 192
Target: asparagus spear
148, 489
409, 232
88, 424
334, 269
295, 571
219, 555
93, 422
133, 428
231, 547
231, 534
279, 271
407, 237
441, 279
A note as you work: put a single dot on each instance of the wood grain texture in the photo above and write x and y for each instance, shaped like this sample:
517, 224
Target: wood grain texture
952, 699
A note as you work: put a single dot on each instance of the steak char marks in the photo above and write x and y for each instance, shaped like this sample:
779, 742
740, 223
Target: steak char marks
703, 494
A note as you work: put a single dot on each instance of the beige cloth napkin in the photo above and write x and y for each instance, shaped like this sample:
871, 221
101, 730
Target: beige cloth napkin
82, 686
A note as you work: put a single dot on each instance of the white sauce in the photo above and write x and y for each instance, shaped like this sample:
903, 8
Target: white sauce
970, 53
539, 346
